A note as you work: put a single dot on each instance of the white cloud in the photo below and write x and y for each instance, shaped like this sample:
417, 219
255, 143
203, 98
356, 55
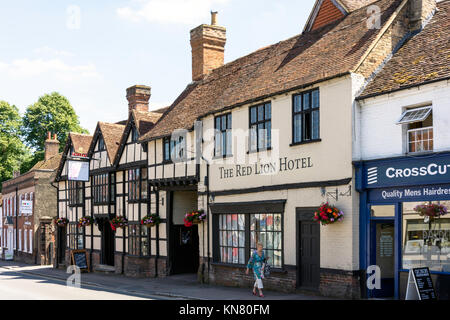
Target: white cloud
173, 11
47, 51
50, 68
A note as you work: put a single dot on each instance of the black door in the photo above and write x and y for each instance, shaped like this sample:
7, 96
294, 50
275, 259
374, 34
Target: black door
185, 255
107, 244
309, 255
62, 238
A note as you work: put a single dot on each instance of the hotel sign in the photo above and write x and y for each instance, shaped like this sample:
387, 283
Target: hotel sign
407, 171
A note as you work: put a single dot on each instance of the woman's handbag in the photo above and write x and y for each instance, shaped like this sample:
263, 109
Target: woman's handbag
267, 269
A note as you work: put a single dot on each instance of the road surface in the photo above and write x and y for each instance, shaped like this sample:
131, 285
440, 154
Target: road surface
17, 284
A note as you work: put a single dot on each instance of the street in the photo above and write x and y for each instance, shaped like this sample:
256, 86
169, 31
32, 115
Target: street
16, 284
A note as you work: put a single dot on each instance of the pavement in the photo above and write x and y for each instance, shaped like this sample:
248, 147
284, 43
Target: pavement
169, 288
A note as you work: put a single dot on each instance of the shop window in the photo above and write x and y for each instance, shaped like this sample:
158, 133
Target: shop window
223, 135
76, 240
235, 247
419, 131
426, 242
306, 117
260, 137
75, 193
138, 242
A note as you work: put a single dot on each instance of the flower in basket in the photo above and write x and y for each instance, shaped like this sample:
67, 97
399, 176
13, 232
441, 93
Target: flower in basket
118, 222
327, 214
151, 220
194, 217
431, 210
62, 222
85, 221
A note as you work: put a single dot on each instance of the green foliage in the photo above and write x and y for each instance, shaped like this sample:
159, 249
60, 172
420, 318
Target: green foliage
12, 150
52, 112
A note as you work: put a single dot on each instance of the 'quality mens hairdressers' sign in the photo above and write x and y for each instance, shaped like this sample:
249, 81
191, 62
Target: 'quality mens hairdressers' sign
407, 172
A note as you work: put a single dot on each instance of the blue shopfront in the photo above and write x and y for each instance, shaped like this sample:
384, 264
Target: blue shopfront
397, 196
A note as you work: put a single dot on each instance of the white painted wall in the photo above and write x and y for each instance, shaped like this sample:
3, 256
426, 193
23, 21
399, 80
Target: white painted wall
381, 137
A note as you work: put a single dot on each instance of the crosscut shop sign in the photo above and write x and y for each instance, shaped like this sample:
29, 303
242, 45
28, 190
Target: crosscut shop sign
419, 171
282, 165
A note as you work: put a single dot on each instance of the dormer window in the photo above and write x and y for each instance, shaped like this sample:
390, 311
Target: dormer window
419, 131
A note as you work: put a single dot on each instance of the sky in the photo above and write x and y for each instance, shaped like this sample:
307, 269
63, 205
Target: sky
91, 51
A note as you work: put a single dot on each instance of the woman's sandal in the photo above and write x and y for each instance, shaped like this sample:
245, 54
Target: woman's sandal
261, 295
254, 293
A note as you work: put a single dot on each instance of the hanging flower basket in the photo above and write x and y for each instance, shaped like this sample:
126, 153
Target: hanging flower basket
85, 221
431, 210
118, 222
151, 220
194, 217
61, 222
327, 214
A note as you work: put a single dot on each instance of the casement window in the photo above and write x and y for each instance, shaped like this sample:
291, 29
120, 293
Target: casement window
30, 248
306, 117
239, 234
76, 237
174, 148
25, 240
137, 184
419, 129
223, 142
134, 134
260, 137
20, 239
101, 144
75, 193
138, 241
103, 188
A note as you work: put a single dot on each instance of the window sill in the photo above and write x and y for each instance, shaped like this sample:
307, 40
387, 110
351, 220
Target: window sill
222, 157
260, 150
304, 142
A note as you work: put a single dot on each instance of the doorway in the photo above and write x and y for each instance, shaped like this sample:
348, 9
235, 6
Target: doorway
382, 254
62, 243
184, 241
107, 255
308, 250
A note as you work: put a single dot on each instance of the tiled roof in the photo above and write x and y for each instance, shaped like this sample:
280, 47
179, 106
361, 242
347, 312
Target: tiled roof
423, 58
51, 164
80, 142
352, 5
328, 52
145, 120
111, 135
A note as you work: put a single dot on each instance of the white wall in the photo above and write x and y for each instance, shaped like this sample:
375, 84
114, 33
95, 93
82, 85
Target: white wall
381, 137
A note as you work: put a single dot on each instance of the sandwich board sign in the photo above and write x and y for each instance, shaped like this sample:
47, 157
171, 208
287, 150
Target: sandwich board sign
420, 285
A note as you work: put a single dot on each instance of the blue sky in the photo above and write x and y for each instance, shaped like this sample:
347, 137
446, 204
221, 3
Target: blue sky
91, 51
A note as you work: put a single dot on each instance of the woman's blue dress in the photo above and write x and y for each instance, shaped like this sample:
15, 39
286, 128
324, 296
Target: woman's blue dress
256, 263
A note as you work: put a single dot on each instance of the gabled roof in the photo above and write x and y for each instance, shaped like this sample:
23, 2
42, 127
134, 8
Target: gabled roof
144, 121
424, 58
329, 52
79, 142
50, 164
352, 5
111, 134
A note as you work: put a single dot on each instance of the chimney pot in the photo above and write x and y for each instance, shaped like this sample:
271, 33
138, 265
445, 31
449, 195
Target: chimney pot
138, 97
214, 18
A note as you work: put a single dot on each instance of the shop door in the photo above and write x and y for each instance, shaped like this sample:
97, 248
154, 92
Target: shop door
185, 257
107, 244
309, 254
383, 255
62, 238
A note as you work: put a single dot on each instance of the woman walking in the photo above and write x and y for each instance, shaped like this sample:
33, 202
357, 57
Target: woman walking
256, 262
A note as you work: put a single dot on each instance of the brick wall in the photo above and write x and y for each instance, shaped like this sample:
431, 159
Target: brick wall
339, 283
328, 13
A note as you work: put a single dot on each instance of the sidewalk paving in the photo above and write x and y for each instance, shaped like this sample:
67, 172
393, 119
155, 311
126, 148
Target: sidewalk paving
175, 287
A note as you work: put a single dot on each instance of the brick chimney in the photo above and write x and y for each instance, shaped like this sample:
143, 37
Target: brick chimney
138, 97
208, 48
418, 12
51, 146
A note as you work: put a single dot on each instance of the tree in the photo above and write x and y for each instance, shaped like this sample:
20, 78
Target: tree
12, 150
52, 112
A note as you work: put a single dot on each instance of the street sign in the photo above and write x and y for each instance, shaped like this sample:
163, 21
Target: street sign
78, 170
26, 207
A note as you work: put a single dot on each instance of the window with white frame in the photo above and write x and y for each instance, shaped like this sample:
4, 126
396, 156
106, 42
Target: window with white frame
30, 248
25, 241
20, 239
419, 128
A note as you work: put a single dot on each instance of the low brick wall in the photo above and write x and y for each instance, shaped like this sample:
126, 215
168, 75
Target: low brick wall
225, 275
144, 267
340, 283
